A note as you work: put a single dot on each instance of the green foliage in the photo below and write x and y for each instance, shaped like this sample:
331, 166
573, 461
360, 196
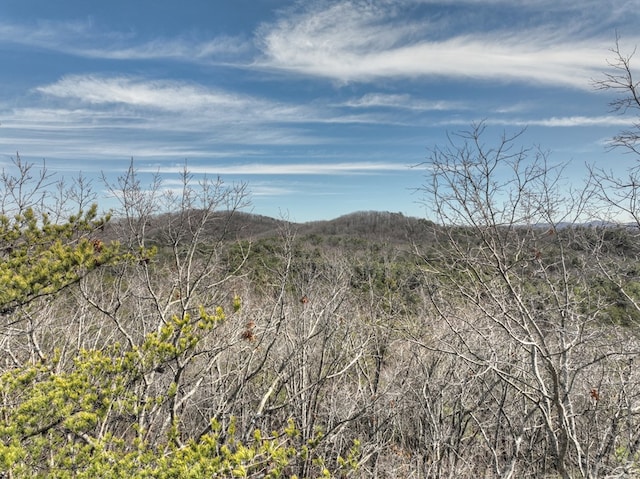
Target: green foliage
75, 455
263, 259
63, 423
38, 257
619, 308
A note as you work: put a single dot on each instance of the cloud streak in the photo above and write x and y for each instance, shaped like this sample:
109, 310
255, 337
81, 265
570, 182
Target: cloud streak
195, 103
285, 169
357, 42
84, 39
403, 102
169, 96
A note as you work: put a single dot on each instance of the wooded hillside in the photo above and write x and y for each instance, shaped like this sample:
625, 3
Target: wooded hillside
184, 338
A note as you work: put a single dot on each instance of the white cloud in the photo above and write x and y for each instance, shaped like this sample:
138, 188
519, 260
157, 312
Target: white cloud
163, 95
167, 108
178, 49
270, 190
171, 108
355, 41
554, 122
582, 121
84, 39
402, 101
50, 35
182, 98
286, 169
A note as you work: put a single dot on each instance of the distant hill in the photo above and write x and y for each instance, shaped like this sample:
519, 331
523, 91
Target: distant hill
379, 226
372, 225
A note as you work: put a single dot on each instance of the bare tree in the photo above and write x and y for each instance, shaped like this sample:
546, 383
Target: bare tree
619, 194
524, 321
622, 81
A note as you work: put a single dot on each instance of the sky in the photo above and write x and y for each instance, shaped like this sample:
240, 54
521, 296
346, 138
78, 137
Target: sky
321, 108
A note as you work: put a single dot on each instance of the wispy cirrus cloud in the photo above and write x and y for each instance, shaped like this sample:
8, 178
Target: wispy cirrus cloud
357, 41
51, 35
555, 122
403, 102
139, 102
156, 94
264, 190
362, 167
84, 39
121, 116
182, 49
349, 41
573, 121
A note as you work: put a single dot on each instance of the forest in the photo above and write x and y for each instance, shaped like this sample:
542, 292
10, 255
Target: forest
179, 336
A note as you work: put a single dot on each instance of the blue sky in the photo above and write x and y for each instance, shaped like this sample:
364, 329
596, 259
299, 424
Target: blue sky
321, 107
